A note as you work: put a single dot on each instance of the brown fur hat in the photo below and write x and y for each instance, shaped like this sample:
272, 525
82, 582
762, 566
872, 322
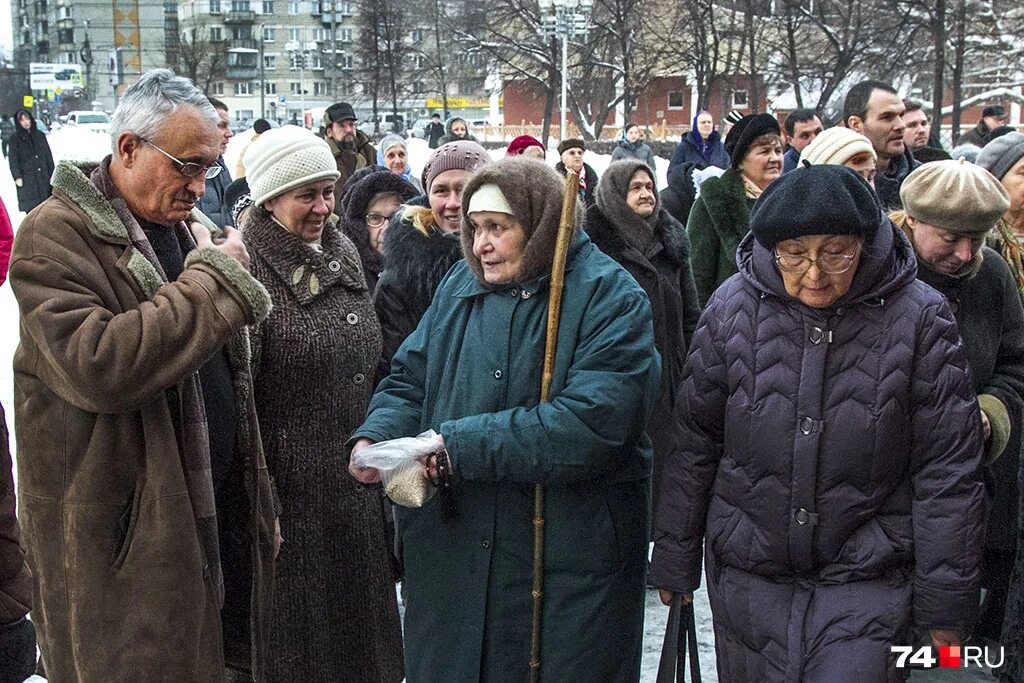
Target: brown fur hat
534, 191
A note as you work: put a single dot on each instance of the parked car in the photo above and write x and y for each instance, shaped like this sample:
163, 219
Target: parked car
97, 121
389, 123
419, 129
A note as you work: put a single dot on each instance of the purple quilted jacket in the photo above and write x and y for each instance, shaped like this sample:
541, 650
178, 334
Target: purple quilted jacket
830, 460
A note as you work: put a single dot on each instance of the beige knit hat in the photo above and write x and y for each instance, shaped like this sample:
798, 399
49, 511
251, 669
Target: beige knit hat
284, 158
954, 195
835, 146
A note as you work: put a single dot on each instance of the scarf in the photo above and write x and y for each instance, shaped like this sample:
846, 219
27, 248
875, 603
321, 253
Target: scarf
1012, 251
750, 189
195, 434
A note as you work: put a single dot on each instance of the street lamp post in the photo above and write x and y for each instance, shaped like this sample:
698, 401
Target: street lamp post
299, 51
564, 19
263, 82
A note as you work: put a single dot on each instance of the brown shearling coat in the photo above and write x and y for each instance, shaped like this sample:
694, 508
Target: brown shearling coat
121, 589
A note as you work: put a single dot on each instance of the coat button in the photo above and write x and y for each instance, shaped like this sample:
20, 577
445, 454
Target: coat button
334, 266
514, 293
359, 378
806, 425
802, 516
352, 318
497, 374
816, 335
526, 295
485, 544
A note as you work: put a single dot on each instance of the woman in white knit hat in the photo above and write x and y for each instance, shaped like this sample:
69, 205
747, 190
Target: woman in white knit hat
842, 147
335, 615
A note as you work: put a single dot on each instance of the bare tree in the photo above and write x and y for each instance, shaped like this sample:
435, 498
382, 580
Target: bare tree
381, 53
201, 57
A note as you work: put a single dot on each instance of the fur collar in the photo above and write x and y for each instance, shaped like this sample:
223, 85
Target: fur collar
669, 233
727, 203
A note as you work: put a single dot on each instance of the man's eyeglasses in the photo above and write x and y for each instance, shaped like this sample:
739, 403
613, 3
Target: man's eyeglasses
833, 264
189, 169
376, 220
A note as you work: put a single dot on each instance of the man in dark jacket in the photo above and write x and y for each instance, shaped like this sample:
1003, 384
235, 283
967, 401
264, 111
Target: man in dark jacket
950, 207
875, 110
351, 148
212, 203
6, 131
992, 117
627, 223
801, 127
434, 131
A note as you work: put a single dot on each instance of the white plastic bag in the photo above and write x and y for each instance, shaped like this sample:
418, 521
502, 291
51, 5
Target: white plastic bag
398, 461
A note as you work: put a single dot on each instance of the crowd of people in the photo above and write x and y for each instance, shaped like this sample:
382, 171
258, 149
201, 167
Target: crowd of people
798, 370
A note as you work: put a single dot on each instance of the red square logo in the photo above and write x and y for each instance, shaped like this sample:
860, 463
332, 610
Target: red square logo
949, 656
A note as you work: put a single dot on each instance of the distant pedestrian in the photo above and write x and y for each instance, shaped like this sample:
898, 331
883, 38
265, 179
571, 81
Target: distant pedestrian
212, 202
6, 131
801, 127
700, 147
992, 117
393, 155
571, 157
434, 131
918, 129
632, 146
351, 148
31, 162
456, 129
527, 146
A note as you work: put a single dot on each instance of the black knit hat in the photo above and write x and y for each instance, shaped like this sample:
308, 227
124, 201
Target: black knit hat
571, 143
816, 200
338, 112
746, 130
994, 110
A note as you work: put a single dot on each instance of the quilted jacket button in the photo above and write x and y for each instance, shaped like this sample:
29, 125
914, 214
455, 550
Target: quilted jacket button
802, 516
816, 335
806, 425
352, 318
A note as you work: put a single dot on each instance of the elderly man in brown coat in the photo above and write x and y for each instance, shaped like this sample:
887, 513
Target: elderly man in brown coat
134, 412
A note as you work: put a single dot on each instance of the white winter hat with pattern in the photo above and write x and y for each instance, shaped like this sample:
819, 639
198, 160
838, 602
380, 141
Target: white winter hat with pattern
285, 158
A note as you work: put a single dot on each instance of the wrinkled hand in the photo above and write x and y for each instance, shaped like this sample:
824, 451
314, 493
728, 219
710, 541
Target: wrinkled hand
942, 637
18, 182
231, 244
429, 461
986, 426
666, 597
367, 475
278, 540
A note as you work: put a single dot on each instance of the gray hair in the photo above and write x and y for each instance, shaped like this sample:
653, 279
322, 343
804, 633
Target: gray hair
145, 107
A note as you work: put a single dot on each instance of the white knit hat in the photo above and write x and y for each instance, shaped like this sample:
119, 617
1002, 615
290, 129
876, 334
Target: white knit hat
489, 198
284, 158
836, 146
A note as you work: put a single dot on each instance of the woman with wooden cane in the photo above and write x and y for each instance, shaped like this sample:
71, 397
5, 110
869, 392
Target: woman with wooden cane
471, 372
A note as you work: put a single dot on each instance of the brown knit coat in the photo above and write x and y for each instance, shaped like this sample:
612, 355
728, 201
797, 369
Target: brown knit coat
335, 610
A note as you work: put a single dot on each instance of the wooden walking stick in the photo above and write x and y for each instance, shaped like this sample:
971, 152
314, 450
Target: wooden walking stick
565, 227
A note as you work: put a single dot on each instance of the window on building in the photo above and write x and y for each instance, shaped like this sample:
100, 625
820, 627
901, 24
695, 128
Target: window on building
268, 6
295, 88
214, 6
216, 34
64, 12
346, 61
417, 87
319, 88
245, 60
66, 35
269, 34
344, 8
217, 89
244, 88
241, 34
740, 99
294, 35
240, 6
417, 36
675, 100
320, 34
269, 88
345, 35
270, 62
419, 61
315, 61
293, 7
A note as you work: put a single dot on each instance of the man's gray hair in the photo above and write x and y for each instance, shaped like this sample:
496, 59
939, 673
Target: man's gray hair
145, 107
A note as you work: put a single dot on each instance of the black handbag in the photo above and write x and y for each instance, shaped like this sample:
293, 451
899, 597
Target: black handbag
680, 638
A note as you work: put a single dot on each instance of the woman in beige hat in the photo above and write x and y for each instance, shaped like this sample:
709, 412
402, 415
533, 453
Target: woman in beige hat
842, 147
950, 207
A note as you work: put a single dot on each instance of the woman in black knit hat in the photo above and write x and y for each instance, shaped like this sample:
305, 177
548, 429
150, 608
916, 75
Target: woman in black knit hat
828, 448
719, 217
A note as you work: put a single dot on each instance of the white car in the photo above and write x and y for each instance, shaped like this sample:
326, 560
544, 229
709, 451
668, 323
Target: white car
96, 121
